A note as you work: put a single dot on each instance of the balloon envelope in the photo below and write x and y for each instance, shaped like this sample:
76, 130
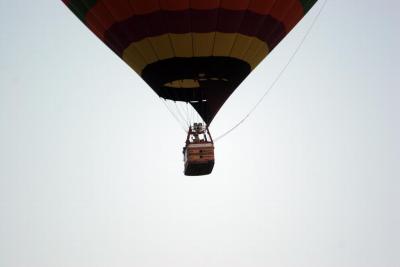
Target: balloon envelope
196, 51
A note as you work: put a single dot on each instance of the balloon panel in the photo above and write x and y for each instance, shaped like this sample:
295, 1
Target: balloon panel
197, 51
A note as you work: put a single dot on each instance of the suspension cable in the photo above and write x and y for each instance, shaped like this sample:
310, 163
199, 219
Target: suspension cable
277, 78
164, 101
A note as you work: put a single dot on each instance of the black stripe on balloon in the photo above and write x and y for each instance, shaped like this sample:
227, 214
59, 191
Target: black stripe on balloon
138, 27
81, 7
216, 81
307, 4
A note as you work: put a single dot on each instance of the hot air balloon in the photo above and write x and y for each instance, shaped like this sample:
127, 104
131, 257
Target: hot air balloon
192, 51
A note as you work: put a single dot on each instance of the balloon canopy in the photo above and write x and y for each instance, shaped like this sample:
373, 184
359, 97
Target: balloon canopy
195, 51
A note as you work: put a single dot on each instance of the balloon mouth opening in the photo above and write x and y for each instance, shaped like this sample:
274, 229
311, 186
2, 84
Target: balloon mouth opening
192, 83
185, 83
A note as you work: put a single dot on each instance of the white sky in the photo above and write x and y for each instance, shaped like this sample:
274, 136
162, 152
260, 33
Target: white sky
91, 164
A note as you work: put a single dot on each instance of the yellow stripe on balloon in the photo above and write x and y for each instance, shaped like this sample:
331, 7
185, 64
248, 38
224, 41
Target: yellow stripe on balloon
149, 50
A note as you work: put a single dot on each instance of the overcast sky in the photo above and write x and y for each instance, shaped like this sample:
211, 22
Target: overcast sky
91, 171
